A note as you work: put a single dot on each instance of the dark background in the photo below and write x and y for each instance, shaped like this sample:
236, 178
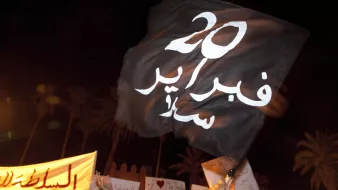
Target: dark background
82, 42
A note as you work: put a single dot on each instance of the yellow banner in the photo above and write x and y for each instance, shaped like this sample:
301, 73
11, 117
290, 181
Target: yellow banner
69, 174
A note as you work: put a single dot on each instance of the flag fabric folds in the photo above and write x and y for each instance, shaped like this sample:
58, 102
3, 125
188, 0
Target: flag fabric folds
203, 71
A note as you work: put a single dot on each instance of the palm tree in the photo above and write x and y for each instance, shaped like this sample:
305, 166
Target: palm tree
45, 101
191, 164
88, 123
119, 133
78, 97
320, 156
109, 126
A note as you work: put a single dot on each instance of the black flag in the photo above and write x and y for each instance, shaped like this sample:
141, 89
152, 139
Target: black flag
204, 71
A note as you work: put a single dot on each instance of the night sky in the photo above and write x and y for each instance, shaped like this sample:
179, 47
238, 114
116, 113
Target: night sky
82, 42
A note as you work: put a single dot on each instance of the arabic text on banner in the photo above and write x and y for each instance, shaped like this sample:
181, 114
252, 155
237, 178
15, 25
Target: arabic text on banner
69, 174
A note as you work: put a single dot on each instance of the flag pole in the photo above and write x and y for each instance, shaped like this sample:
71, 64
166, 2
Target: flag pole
159, 156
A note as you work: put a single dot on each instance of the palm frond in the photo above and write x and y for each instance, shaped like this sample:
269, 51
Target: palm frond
191, 162
324, 176
314, 143
320, 155
306, 168
309, 146
186, 159
297, 166
305, 154
189, 152
179, 166
315, 180
179, 172
123, 132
